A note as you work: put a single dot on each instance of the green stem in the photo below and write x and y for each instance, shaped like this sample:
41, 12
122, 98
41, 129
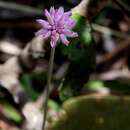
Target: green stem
48, 85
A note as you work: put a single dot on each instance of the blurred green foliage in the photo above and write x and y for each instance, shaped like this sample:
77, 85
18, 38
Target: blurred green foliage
26, 81
11, 112
112, 86
81, 54
95, 113
54, 105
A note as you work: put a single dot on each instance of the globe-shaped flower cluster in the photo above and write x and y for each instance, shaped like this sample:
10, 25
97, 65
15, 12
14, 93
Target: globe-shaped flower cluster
58, 26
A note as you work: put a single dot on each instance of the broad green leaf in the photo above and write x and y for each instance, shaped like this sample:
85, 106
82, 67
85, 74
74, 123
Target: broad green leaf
94, 113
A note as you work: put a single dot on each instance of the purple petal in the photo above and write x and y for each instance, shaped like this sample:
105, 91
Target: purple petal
69, 33
54, 40
49, 17
65, 17
64, 39
59, 13
41, 32
47, 34
53, 33
70, 23
67, 14
52, 12
44, 23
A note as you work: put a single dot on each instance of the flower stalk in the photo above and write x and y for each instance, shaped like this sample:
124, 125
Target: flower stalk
58, 27
50, 70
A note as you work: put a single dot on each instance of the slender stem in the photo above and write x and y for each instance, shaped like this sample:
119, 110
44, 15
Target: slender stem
48, 85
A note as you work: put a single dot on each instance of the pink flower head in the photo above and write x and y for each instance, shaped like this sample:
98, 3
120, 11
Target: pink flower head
57, 26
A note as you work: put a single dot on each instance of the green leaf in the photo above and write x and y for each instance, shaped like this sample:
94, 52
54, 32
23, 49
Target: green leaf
94, 85
66, 92
81, 54
11, 113
26, 82
54, 105
113, 86
78, 46
94, 113
87, 36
